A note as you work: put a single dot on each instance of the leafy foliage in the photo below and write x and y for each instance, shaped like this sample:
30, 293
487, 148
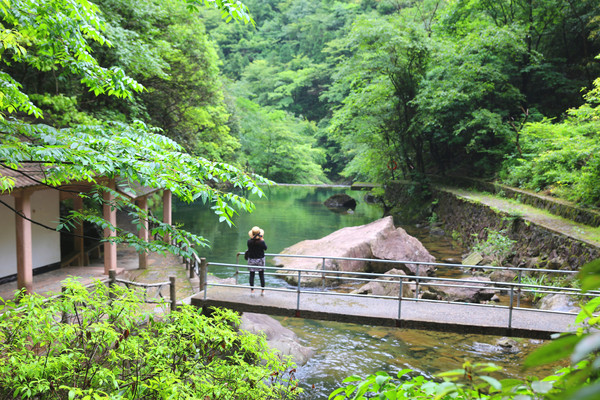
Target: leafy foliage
497, 246
436, 86
279, 146
101, 344
562, 158
56, 37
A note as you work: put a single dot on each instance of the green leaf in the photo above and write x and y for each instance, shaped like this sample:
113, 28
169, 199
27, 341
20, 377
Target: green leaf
336, 392
403, 372
542, 386
587, 345
555, 350
352, 378
511, 383
452, 373
589, 276
591, 392
493, 382
381, 380
390, 394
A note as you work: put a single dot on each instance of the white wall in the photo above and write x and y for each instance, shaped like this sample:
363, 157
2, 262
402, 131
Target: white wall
46, 243
8, 244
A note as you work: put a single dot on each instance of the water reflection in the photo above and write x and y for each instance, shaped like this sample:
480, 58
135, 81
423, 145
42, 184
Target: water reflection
292, 214
288, 215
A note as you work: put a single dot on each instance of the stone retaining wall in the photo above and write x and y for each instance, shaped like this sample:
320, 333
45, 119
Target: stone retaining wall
536, 246
554, 206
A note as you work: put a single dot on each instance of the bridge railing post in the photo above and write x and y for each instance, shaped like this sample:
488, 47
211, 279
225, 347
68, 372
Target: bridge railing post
510, 307
400, 300
190, 266
64, 316
203, 275
112, 282
298, 292
237, 269
323, 274
519, 289
173, 293
417, 287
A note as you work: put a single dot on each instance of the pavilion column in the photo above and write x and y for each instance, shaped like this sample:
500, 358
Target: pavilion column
110, 215
167, 211
142, 203
79, 244
24, 241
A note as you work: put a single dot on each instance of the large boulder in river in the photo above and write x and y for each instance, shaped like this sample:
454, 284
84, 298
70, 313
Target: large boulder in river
341, 200
379, 240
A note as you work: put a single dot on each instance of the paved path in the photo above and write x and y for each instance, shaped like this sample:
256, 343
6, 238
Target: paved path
367, 310
542, 218
159, 269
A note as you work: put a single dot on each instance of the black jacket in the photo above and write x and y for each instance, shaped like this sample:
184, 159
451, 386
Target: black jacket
256, 248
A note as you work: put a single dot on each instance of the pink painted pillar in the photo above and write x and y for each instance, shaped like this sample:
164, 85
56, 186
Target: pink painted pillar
167, 210
110, 215
24, 242
142, 203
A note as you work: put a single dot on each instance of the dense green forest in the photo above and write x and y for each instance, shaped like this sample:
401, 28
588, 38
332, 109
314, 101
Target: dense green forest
164, 93
330, 91
431, 86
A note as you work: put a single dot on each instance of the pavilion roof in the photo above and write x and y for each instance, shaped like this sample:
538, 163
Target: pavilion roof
26, 176
33, 174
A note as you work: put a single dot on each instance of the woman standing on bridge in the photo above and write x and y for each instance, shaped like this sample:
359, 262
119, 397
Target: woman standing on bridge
256, 257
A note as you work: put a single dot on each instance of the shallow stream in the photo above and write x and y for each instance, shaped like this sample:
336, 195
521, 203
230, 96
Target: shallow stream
290, 214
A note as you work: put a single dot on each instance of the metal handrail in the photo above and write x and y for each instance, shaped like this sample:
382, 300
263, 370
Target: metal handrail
436, 264
401, 280
519, 270
113, 280
318, 273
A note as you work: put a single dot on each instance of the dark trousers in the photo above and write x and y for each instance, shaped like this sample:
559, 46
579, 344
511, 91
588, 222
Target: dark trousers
261, 276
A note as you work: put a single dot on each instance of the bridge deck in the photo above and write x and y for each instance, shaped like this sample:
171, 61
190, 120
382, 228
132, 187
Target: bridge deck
367, 310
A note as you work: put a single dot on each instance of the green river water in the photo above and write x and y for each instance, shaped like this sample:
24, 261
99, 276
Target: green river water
290, 214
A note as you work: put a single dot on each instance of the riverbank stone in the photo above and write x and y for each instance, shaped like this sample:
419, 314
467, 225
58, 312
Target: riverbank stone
387, 289
473, 291
503, 275
558, 302
278, 337
379, 240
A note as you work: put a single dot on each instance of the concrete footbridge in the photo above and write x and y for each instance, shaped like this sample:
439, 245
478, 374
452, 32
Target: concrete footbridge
510, 317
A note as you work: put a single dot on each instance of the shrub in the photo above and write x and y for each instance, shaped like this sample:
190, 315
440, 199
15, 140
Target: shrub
100, 344
497, 246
